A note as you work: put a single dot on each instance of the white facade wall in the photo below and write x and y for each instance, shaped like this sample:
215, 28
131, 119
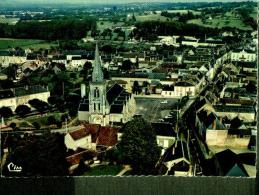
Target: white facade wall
60, 61
165, 141
190, 43
77, 63
247, 117
8, 102
41, 96
243, 56
221, 138
85, 142
180, 91
83, 116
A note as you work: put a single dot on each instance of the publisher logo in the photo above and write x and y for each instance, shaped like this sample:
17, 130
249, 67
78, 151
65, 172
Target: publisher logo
14, 168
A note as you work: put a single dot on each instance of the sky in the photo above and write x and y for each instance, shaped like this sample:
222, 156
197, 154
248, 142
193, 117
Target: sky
102, 1
35, 3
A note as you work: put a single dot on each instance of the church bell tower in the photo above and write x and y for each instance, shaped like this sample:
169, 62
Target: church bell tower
97, 93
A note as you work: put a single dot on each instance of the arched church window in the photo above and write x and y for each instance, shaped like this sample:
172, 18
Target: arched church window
96, 93
99, 107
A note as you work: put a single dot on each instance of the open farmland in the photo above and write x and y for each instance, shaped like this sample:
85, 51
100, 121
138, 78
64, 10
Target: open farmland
24, 43
229, 19
150, 17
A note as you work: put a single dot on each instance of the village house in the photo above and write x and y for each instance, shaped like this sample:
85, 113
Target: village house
176, 160
90, 137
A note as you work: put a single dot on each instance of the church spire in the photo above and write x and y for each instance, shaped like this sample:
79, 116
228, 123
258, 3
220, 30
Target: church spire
97, 75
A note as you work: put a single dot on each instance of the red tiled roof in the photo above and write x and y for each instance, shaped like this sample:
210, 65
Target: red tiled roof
107, 136
100, 135
92, 129
80, 133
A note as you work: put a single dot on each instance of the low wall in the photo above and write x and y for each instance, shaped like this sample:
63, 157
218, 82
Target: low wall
129, 185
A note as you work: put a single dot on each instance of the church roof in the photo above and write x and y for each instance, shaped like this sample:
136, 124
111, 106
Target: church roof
97, 75
113, 93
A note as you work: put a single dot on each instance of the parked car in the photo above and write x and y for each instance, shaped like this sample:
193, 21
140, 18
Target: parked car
164, 102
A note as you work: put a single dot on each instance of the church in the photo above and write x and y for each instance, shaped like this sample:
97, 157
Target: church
105, 104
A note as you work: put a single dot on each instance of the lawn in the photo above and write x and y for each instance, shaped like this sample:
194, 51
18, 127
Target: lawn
104, 170
43, 120
24, 43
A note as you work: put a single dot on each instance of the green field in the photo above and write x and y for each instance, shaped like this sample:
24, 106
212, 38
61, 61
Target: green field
10, 21
150, 17
104, 170
25, 43
254, 13
181, 11
101, 25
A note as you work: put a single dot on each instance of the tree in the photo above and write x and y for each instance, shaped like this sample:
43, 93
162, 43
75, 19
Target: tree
39, 105
72, 112
22, 110
39, 156
250, 87
126, 65
82, 168
136, 88
13, 125
138, 146
6, 112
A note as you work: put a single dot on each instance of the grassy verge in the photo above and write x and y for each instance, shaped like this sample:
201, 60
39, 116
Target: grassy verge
104, 170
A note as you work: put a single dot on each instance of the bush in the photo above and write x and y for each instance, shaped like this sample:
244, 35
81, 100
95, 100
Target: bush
22, 110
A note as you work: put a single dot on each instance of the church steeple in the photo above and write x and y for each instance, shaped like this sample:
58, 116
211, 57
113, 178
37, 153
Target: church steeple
97, 75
